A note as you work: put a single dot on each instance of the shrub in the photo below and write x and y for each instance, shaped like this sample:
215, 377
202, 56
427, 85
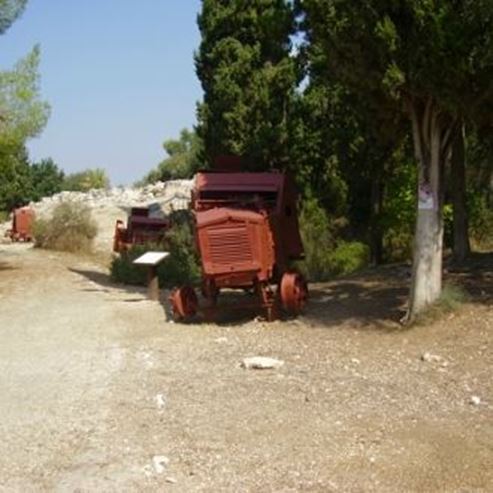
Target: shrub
180, 267
325, 256
70, 228
349, 257
86, 180
480, 221
318, 241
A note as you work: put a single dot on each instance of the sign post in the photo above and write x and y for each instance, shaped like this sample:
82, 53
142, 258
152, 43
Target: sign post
151, 260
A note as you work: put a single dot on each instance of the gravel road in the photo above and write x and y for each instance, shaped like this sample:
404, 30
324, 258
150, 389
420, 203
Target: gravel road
98, 392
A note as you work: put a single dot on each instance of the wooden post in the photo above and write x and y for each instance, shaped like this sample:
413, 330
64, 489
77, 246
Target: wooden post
152, 283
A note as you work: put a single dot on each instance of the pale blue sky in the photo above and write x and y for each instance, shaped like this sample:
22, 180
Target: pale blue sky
118, 74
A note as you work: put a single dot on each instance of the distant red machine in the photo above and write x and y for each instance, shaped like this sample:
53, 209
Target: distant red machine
22, 224
247, 233
141, 228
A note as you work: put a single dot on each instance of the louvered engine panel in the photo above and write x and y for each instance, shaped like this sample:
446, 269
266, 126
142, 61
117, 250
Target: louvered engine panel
229, 246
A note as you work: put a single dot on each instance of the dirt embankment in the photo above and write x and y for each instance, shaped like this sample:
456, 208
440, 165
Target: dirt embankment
100, 393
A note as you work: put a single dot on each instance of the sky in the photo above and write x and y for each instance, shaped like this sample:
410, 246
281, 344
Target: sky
119, 77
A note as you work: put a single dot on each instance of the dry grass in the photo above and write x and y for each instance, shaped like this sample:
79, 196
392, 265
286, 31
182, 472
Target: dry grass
70, 229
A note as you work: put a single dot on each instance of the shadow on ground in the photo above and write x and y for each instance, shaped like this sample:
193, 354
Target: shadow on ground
106, 285
374, 298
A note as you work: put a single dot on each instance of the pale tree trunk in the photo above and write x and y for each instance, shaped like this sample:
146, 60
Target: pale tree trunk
431, 137
458, 171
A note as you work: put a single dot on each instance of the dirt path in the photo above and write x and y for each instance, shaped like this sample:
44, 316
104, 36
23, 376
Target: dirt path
95, 384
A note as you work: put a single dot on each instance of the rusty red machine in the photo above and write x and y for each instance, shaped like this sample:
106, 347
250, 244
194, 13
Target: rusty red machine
142, 228
247, 234
22, 224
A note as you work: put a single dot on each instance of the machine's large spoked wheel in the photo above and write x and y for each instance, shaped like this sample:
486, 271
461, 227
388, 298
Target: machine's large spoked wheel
294, 292
184, 302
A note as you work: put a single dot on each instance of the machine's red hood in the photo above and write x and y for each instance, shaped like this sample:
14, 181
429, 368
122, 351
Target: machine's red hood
223, 214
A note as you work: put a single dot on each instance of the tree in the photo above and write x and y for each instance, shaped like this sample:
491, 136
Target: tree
182, 161
343, 148
10, 10
248, 75
86, 180
47, 179
433, 60
15, 177
22, 112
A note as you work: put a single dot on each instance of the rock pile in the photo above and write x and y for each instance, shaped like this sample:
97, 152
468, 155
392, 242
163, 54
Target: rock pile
109, 205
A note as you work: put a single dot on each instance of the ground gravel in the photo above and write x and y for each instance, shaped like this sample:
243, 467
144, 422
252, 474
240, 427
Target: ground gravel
101, 392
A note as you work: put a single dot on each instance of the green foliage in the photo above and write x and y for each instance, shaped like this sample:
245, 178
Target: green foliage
318, 239
23, 113
248, 78
399, 215
349, 257
86, 180
10, 10
480, 221
325, 255
22, 182
180, 267
70, 228
47, 179
22, 116
182, 161
15, 177
442, 50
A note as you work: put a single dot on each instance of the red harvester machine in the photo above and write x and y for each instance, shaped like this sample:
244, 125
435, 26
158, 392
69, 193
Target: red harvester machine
22, 223
141, 228
247, 233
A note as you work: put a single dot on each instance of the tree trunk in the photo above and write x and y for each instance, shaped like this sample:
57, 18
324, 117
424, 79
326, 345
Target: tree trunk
431, 138
461, 227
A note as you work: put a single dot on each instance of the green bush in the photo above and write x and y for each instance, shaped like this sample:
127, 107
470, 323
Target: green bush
349, 257
180, 267
480, 221
318, 239
70, 228
325, 256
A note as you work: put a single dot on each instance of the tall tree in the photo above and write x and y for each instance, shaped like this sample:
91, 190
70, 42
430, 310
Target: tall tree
248, 75
344, 145
182, 160
22, 112
10, 10
434, 60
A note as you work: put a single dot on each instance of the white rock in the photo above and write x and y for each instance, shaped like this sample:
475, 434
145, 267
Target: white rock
170, 479
475, 400
160, 462
261, 363
430, 358
160, 401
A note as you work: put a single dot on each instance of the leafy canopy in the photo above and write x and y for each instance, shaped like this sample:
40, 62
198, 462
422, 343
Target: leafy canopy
10, 10
248, 77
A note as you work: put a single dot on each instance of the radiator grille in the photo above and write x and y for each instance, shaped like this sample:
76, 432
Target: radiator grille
229, 246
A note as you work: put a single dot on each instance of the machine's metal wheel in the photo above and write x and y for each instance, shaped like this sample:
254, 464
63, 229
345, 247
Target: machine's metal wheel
184, 302
294, 292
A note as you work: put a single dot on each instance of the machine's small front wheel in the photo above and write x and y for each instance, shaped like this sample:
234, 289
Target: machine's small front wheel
294, 292
184, 302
